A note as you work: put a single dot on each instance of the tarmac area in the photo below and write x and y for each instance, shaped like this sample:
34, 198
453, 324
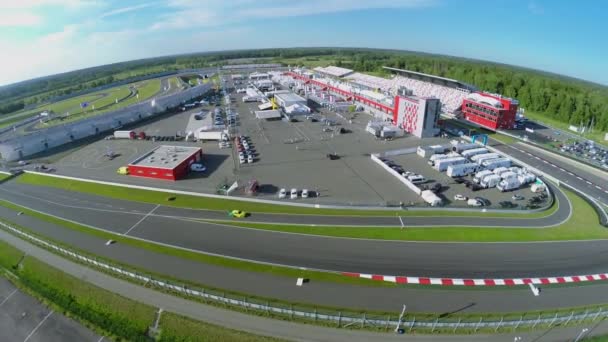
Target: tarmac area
23, 318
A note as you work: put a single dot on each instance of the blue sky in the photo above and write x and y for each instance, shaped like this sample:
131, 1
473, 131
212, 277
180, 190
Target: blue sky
43, 37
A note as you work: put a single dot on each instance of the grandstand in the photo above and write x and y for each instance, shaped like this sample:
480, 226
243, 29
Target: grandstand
333, 71
371, 82
450, 92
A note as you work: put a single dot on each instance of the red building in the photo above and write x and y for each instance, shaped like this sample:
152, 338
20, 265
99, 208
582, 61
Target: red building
166, 162
489, 110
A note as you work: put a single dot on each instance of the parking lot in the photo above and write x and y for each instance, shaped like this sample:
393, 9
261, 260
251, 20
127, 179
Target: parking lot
286, 154
450, 187
23, 318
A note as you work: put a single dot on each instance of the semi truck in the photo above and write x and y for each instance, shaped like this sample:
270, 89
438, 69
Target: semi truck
212, 135
442, 164
124, 134
490, 181
461, 169
480, 175
508, 184
481, 157
491, 164
474, 152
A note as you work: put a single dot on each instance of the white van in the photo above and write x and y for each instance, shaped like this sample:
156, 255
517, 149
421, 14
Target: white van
416, 179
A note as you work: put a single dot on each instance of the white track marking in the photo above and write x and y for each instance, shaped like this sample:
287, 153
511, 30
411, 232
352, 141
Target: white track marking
141, 219
8, 297
38, 326
401, 220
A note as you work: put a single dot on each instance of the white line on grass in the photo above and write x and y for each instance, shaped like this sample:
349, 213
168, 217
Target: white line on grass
38, 326
141, 220
401, 220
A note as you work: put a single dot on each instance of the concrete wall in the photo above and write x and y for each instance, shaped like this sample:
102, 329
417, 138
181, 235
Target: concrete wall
39, 141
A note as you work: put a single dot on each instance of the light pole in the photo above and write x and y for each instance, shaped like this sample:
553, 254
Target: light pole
581, 334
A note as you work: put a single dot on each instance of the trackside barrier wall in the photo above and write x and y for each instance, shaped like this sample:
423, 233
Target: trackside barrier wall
339, 318
402, 179
598, 207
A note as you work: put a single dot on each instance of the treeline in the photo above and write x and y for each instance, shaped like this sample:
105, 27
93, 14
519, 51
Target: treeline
558, 97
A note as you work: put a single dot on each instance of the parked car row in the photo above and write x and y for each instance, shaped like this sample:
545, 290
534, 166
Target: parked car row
587, 150
245, 149
409, 175
294, 193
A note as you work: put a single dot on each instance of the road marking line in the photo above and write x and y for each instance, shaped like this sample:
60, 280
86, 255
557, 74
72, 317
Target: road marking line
141, 220
100, 339
38, 326
579, 178
588, 182
8, 297
598, 187
401, 220
571, 174
561, 169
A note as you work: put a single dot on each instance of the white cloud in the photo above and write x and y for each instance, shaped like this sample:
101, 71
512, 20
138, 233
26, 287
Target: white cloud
19, 19
125, 10
30, 4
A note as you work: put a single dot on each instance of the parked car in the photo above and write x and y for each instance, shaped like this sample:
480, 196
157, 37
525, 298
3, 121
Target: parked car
483, 201
293, 193
196, 167
305, 193
282, 193
516, 197
474, 203
459, 197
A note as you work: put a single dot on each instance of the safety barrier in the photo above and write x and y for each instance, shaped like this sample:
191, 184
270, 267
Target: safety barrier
402, 179
342, 319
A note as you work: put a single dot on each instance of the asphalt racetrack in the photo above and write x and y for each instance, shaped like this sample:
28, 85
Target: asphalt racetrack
462, 260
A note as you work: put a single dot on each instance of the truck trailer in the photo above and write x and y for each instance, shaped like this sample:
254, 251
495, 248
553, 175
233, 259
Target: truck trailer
124, 134
508, 184
461, 169
442, 164
499, 170
212, 135
436, 157
509, 175
463, 147
490, 181
428, 151
491, 164
481, 157
474, 152
480, 175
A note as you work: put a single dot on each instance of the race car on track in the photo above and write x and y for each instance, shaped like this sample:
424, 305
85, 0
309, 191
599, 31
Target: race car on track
237, 213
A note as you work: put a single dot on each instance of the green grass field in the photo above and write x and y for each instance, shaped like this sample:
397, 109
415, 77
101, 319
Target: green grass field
191, 79
185, 201
595, 136
50, 284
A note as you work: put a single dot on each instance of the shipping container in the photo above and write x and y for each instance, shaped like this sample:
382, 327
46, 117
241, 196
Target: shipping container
461, 169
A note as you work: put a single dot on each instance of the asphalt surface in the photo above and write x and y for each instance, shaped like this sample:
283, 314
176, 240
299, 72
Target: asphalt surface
460, 260
271, 327
23, 318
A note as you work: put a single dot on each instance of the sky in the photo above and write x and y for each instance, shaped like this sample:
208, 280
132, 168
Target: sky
45, 37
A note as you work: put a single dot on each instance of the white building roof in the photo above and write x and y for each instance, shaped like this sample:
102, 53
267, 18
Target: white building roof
165, 157
334, 71
290, 97
267, 114
485, 99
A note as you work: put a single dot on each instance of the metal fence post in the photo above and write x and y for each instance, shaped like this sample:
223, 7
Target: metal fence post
597, 314
585, 317
569, 318
535, 323
339, 318
521, 318
478, 324
388, 319
245, 304
457, 324
363, 320
413, 322
499, 324
315, 314
267, 309
291, 311
554, 318
434, 324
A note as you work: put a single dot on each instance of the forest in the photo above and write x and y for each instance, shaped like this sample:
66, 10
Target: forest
561, 98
